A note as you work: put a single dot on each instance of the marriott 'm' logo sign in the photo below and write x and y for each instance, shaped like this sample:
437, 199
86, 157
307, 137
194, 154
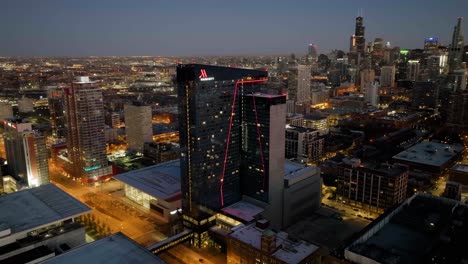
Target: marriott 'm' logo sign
204, 77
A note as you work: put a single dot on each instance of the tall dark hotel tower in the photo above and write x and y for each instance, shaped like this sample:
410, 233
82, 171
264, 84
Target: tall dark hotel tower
225, 130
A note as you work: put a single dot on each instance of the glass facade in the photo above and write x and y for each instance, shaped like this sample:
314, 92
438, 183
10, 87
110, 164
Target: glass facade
211, 99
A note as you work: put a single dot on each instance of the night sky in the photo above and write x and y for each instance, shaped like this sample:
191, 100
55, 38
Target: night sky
215, 27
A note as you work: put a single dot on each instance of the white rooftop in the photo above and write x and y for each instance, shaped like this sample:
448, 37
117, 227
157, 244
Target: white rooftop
161, 181
243, 210
31, 208
116, 248
430, 153
82, 79
289, 252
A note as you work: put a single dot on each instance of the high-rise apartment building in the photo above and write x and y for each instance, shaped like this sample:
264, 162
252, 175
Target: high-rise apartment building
299, 84
373, 189
26, 153
85, 131
387, 76
303, 84
456, 47
304, 144
138, 125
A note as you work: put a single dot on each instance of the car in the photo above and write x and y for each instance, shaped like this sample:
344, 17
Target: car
357, 210
201, 260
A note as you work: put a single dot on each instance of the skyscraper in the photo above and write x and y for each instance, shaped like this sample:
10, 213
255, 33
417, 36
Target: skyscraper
387, 76
431, 46
359, 36
210, 112
413, 70
85, 131
231, 139
372, 93
26, 153
263, 148
57, 119
312, 52
303, 84
367, 77
456, 47
138, 125
458, 110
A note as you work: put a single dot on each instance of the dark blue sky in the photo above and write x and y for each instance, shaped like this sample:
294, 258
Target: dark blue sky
214, 27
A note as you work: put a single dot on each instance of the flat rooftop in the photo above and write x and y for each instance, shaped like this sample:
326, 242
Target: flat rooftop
31, 208
243, 210
116, 248
161, 180
293, 170
460, 167
430, 153
291, 251
416, 232
323, 228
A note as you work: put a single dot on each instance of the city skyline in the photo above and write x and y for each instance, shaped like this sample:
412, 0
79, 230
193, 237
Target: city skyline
151, 28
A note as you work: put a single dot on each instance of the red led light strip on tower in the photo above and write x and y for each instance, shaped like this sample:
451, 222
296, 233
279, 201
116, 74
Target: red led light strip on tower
236, 88
259, 141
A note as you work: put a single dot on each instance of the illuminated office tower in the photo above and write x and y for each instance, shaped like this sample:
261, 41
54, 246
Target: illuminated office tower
85, 131
26, 153
431, 46
413, 70
387, 76
456, 48
138, 125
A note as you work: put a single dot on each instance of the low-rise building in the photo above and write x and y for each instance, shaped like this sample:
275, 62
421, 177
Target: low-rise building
116, 248
256, 243
37, 222
371, 188
432, 157
156, 188
424, 229
302, 193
